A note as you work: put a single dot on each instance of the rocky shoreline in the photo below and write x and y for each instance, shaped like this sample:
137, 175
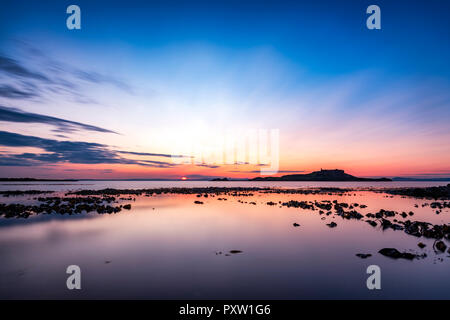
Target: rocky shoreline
442, 192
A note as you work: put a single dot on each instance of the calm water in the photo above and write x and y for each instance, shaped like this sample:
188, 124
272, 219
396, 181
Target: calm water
166, 245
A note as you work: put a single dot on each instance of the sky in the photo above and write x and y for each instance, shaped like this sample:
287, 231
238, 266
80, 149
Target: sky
166, 89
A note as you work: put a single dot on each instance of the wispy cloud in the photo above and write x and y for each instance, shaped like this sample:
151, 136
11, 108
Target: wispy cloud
36, 75
259, 171
8, 91
166, 155
13, 68
55, 151
211, 166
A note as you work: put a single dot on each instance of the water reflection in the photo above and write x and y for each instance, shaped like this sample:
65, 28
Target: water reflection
166, 246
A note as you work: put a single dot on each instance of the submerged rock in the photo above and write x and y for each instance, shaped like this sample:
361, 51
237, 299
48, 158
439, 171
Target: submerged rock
421, 245
395, 226
363, 255
332, 224
440, 245
372, 223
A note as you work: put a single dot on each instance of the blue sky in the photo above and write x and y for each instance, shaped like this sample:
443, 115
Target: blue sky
329, 35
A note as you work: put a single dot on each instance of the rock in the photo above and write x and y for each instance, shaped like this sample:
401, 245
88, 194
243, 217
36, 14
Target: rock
385, 223
363, 255
296, 224
295, 204
440, 245
390, 252
385, 213
198, 202
127, 206
407, 255
332, 224
351, 215
372, 223
396, 226
235, 251
421, 245
395, 254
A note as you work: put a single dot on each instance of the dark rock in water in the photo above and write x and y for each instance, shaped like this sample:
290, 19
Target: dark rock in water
407, 255
440, 245
441, 192
390, 252
363, 255
396, 227
235, 251
415, 228
421, 245
351, 214
198, 202
296, 224
395, 254
295, 204
385, 213
127, 206
385, 223
332, 224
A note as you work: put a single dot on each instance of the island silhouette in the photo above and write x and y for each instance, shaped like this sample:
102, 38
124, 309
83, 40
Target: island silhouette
322, 175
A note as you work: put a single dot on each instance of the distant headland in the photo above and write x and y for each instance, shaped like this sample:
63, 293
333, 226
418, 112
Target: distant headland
322, 175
